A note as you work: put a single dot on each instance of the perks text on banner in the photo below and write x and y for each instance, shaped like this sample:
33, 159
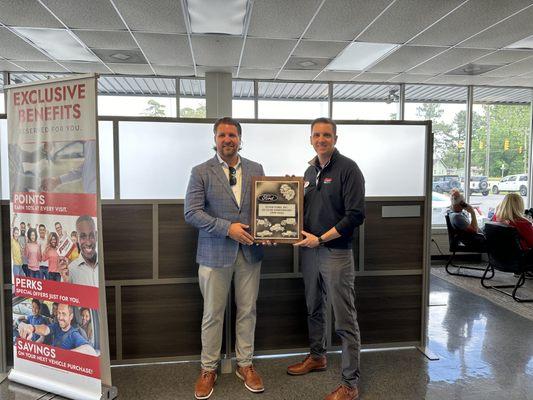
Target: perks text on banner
66, 293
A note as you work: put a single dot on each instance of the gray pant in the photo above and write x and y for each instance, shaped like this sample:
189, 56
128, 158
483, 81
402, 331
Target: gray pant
215, 284
331, 272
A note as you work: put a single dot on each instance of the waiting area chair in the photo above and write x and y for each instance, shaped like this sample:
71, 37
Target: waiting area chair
506, 255
458, 244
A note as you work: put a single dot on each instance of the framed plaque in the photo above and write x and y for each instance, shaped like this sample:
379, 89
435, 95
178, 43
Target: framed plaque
277, 208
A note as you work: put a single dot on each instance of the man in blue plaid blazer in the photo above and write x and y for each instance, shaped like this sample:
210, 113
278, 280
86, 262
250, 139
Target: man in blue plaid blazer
218, 204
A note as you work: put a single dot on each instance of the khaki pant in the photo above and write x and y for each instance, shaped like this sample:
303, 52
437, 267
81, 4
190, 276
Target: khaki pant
215, 284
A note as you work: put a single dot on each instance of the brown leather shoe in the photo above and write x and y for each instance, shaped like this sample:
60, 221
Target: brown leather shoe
343, 393
204, 384
308, 365
252, 379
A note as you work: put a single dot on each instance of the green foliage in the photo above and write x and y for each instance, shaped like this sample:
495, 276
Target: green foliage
188, 112
155, 109
490, 129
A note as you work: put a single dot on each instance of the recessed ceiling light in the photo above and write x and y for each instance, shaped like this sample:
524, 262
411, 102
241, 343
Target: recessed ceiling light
306, 63
120, 56
217, 16
526, 43
360, 55
60, 44
473, 69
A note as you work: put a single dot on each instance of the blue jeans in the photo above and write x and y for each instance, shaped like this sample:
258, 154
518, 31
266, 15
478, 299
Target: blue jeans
35, 274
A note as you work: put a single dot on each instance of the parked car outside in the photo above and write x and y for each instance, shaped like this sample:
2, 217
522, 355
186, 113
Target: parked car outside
511, 183
440, 205
479, 184
445, 183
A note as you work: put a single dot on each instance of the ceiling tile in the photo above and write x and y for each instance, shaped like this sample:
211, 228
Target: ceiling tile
504, 57
301, 63
87, 67
344, 19
336, 76
217, 50
107, 39
281, 19
468, 20
93, 14
255, 73
14, 48
512, 30
518, 81
404, 20
304, 75
163, 16
373, 77
266, 53
34, 15
41, 66
410, 78
311, 48
7, 66
406, 57
165, 49
517, 68
460, 80
173, 71
449, 60
132, 69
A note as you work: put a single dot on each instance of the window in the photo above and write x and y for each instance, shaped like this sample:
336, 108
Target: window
192, 98
292, 100
136, 96
357, 101
445, 106
243, 104
500, 145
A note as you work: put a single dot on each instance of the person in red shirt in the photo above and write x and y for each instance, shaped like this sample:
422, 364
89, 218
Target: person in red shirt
511, 211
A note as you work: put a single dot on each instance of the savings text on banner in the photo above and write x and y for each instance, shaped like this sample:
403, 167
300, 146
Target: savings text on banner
53, 178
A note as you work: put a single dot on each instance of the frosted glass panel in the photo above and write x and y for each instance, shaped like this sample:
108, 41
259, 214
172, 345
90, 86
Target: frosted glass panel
390, 156
156, 157
281, 148
289, 109
4, 159
107, 170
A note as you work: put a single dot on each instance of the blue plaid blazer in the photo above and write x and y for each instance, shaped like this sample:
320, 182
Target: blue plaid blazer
211, 207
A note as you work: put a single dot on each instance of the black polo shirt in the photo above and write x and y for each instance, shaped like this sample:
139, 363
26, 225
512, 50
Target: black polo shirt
334, 197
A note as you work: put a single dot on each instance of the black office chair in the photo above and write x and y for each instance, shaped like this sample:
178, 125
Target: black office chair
459, 244
506, 255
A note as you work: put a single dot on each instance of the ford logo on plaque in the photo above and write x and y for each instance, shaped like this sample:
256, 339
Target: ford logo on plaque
267, 197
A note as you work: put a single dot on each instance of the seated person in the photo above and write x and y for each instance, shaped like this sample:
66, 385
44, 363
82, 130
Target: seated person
511, 211
466, 227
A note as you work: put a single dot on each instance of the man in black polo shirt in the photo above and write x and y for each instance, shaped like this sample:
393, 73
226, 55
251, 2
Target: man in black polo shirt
333, 208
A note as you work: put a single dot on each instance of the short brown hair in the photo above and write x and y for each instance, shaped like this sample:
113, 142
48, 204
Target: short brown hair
228, 121
324, 120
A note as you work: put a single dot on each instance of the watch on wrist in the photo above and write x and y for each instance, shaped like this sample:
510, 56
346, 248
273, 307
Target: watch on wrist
320, 240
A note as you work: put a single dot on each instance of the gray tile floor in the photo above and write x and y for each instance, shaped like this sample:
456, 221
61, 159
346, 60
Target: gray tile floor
486, 352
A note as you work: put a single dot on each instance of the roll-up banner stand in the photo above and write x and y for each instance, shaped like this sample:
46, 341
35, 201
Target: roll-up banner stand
60, 339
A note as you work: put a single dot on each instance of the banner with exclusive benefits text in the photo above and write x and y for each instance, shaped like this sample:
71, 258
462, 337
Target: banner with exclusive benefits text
54, 223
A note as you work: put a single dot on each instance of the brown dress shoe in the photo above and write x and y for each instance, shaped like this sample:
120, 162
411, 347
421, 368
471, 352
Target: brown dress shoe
252, 379
308, 365
343, 393
204, 384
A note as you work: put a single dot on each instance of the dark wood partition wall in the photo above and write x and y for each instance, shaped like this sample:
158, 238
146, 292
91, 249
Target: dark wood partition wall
155, 307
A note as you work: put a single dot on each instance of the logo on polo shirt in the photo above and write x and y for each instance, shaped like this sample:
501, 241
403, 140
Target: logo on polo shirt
328, 180
306, 184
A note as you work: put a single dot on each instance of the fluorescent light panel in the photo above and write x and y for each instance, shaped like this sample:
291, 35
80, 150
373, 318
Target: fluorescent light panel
360, 55
217, 16
526, 43
58, 43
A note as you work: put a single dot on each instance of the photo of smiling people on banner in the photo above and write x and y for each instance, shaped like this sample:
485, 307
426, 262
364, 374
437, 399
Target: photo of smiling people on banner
54, 237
